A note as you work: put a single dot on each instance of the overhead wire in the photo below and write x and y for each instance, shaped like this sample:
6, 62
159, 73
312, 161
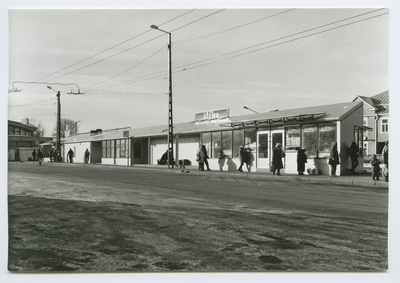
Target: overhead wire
233, 28
220, 58
128, 49
112, 47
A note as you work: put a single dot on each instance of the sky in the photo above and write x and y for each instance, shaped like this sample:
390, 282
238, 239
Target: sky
265, 59
222, 58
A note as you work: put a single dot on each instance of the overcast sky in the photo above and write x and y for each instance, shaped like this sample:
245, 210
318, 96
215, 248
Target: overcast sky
262, 58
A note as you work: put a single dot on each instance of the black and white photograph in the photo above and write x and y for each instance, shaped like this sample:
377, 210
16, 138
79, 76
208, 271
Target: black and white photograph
197, 141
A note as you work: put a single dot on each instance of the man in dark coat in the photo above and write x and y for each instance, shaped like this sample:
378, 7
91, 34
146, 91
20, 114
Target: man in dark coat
70, 155
334, 159
277, 156
301, 161
353, 153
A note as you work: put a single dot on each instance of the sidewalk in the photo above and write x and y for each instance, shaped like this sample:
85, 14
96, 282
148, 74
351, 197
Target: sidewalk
363, 179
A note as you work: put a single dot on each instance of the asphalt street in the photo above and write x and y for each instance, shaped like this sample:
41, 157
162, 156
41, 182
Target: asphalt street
74, 217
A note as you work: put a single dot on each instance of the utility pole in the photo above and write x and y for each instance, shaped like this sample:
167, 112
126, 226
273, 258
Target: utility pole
58, 123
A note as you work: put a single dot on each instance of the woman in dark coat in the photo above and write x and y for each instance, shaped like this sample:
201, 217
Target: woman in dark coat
334, 159
277, 156
301, 161
203, 148
353, 153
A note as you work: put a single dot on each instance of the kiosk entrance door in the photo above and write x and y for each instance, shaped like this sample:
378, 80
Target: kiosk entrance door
266, 141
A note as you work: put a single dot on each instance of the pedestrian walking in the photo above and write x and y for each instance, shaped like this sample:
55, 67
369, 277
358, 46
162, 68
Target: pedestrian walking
40, 157
353, 153
375, 164
385, 154
334, 159
87, 154
200, 159
70, 155
301, 161
277, 156
51, 155
55, 156
243, 158
203, 148
34, 155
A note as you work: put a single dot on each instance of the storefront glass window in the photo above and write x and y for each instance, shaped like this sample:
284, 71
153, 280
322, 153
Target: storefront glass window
292, 138
206, 141
104, 149
359, 139
118, 147
112, 149
216, 144
250, 139
327, 135
310, 140
123, 148
226, 149
238, 139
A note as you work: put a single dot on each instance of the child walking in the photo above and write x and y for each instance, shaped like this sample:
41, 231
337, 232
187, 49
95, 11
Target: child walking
375, 167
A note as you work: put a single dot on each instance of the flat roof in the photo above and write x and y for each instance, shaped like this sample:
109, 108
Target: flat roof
324, 113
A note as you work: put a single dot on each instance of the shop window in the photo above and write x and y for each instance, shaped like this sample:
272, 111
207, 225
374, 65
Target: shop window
238, 140
327, 135
108, 148
118, 148
206, 141
263, 146
226, 144
359, 139
216, 144
123, 148
104, 149
11, 131
385, 125
250, 139
310, 140
292, 138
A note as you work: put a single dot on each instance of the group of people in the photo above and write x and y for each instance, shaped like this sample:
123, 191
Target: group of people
277, 164
202, 158
55, 156
376, 164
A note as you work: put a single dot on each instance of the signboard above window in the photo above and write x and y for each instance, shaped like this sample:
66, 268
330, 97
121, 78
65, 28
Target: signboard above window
212, 114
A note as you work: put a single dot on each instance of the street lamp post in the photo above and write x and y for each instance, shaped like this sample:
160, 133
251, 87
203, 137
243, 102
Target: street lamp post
170, 116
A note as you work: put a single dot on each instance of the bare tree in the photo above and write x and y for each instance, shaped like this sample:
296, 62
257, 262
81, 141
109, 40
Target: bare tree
68, 127
39, 132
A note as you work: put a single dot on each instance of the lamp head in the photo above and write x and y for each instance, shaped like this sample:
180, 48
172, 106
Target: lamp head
154, 27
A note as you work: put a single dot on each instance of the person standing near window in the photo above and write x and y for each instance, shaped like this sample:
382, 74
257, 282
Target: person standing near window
277, 156
203, 148
334, 159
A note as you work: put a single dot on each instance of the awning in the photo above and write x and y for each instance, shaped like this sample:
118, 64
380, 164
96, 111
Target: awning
274, 120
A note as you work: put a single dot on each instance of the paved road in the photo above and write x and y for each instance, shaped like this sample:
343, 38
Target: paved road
70, 217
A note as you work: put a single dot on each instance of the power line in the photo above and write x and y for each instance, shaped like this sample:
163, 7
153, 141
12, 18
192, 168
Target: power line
233, 28
281, 43
128, 49
220, 58
126, 69
114, 46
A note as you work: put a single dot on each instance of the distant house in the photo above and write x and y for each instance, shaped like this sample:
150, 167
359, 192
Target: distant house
22, 142
376, 122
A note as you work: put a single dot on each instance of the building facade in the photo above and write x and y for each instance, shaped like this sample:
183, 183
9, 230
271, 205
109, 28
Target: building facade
376, 122
312, 128
22, 142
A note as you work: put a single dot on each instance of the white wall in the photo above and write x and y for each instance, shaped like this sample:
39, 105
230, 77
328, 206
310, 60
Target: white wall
79, 151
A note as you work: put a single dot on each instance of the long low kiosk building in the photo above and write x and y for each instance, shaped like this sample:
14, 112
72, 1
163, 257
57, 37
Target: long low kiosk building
313, 128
